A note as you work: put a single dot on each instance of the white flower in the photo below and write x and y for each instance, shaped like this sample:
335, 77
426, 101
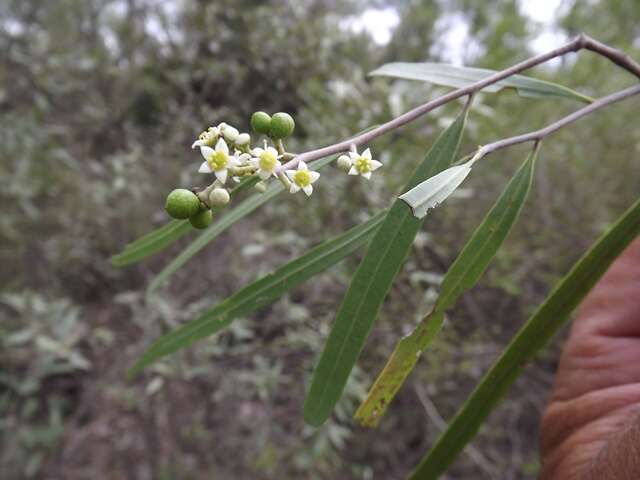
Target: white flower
207, 138
363, 164
243, 158
266, 161
302, 178
217, 161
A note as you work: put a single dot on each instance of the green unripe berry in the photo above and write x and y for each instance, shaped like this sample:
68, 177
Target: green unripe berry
182, 203
218, 197
282, 125
201, 219
261, 122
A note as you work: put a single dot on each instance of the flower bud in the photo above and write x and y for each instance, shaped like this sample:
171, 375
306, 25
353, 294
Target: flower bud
243, 139
230, 133
261, 122
261, 187
182, 203
282, 125
201, 219
218, 197
344, 163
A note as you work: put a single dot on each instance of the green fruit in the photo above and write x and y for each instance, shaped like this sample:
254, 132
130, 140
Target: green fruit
282, 125
201, 219
182, 203
261, 122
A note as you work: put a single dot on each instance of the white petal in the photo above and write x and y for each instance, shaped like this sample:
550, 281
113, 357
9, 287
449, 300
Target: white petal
294, 188
278, 165
254, 162
263, 174
272, 151
375, 165
367, 153
256, 152
204, 168
354, 156
198, 143
353, 170
302, 165
244, 158
232, 161
221, 175
290, 174
367, 175
314, 176
221, 146
206, 152
308, 190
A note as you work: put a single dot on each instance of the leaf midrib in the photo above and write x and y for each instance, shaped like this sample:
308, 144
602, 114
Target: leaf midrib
474, 259
360, 304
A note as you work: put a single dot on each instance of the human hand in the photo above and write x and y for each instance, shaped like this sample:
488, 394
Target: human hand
591, 427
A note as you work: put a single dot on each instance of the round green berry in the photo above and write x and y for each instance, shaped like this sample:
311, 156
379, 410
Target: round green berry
261, 122
201, 219
182, 203
282, 125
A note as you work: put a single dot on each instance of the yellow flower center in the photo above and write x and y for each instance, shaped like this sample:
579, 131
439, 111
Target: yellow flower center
218, 160
267, 161
302, 178
362, 164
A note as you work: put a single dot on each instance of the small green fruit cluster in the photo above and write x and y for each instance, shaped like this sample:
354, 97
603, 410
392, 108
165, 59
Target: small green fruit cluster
279, 126
182, 204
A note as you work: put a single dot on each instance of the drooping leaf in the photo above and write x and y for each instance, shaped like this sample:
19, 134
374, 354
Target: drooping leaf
262, 292
458, 77
221, 225
163, 237
536, 332
484, 243
370, 284
151, 243
435, 190
463, 274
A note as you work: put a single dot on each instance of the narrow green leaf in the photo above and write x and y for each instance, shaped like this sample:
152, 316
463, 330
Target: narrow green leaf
153, 234
151, 243
370, 284
262, 292
220, 226
458, 77
463, 274
476, 255
536, 332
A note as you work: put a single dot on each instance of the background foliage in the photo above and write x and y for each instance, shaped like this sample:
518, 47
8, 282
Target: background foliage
99, 102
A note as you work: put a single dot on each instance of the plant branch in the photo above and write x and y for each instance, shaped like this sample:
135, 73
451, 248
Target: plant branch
538, 135
579, 43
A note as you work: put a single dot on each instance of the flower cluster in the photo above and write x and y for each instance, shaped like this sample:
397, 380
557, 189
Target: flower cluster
228, 155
